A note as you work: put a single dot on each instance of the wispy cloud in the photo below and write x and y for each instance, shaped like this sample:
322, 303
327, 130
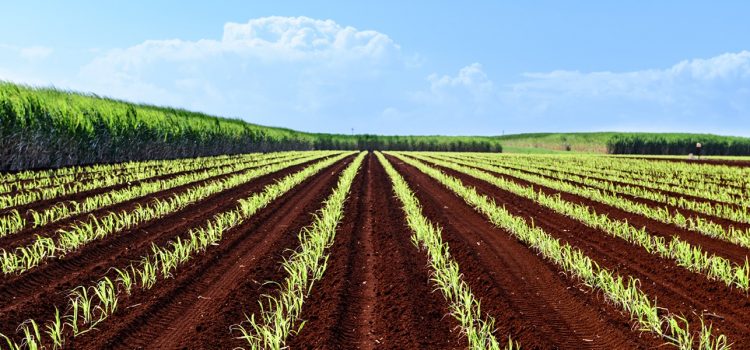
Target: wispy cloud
709, 95
699, 94
659, 84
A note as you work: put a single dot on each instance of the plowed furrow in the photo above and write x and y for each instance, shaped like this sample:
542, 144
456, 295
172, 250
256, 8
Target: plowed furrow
27, 236
33, 294
173, 312
530, 300
77, 196
675, 288
376, 292
722, 248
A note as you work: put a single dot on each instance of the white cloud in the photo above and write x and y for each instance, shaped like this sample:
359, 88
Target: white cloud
319, 75
303, 37
269, 70
706, 95
269, 39
471, 77
663, 85
726, 66
469, 84
470, 90
694, 95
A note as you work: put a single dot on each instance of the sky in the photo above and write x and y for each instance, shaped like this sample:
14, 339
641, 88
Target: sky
401, 67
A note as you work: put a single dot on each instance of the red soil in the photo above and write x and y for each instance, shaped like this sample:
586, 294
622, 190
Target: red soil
528, 297
726, 223
376, 291
712, 245
176, 310
675, 288
26, 236
34, 293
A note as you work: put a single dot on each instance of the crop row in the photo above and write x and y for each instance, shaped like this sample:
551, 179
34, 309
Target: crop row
621, 291
110, 179
662, 214
463, 305
304, 267
23, 258
692, 179
89, 306
37, 178
682, 253
687, 178
14, 221
733, 208
682, 171
669, 179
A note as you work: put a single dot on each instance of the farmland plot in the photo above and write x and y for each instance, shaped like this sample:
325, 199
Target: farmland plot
394, 250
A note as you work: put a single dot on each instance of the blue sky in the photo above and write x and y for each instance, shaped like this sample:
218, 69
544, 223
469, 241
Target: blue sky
396, 67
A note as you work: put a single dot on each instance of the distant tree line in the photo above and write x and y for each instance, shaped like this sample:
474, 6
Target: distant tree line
408, 143
49, 128
676, 144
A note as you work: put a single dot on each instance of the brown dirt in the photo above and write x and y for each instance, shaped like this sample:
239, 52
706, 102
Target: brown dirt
27, 236
675, 288
715, 246
376, 292
623, 183
175, 310
34, 293
726, 223
46, 203
528, 297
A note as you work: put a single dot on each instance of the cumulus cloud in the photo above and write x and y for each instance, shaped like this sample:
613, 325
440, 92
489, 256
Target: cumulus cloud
270, 70
268, 39
471, 78
709, 95
469, 87
305, 38
463, 102
722, 67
